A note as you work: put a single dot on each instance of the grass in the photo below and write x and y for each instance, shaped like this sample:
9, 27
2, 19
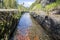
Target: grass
17, 16
37, 7
50, 6
47, 7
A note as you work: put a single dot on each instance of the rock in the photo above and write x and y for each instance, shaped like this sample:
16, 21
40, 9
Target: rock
6, 21
34, 15
55, 11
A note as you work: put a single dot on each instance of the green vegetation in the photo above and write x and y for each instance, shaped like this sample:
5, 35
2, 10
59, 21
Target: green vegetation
9, 20
58, 2
38, 6
22, 8
10, 4
50, 6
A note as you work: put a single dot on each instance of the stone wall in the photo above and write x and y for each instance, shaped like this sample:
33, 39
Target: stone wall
51, 24
7, 24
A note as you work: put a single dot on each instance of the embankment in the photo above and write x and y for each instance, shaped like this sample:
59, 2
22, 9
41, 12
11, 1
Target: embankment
50, 24
8, 23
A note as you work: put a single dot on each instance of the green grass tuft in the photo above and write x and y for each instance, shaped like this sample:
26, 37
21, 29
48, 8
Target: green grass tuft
50, 6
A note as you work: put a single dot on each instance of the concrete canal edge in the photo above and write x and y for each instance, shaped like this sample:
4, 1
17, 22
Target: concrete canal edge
47, 24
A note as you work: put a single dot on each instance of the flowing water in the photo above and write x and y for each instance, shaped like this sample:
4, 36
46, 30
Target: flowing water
29, 29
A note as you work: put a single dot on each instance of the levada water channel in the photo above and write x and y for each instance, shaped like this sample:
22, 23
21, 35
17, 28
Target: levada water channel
29, 29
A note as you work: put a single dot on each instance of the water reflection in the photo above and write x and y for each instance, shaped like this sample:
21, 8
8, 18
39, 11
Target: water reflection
23, 27
29, 29
24, 23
